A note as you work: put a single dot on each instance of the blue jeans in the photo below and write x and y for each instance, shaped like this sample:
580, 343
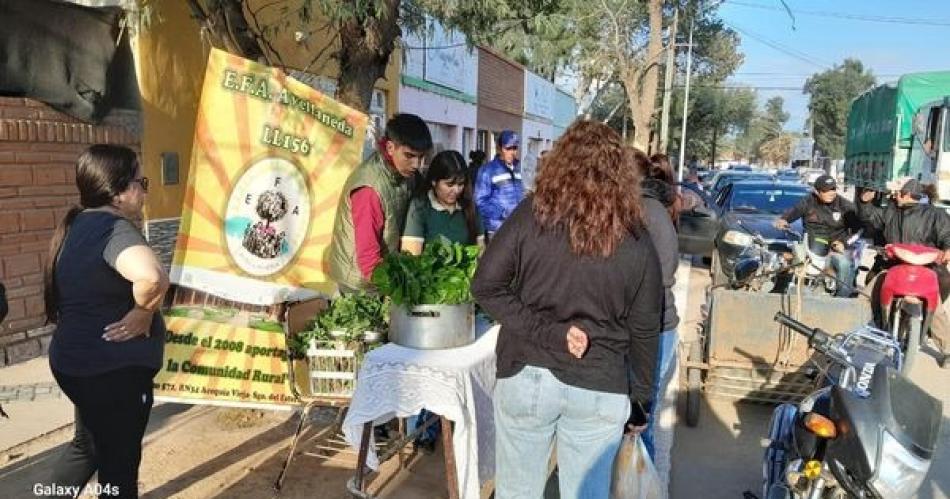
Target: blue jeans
431, 433
845, 271
666, 359
531, 408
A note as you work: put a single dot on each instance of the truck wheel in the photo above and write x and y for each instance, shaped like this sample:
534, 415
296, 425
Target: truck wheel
715, 270
694, 385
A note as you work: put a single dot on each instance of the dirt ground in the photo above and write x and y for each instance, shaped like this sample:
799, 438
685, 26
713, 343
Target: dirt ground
211, 452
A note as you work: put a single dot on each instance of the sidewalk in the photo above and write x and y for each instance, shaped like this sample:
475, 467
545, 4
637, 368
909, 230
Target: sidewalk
30, 419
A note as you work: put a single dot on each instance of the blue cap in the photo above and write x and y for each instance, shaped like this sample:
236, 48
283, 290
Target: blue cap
508, 138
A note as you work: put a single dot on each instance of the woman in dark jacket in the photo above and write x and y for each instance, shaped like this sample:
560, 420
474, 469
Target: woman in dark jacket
103, 289
575, 282
661, 208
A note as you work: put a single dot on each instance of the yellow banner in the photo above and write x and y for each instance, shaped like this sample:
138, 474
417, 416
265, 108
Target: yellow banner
269, 160
222, 362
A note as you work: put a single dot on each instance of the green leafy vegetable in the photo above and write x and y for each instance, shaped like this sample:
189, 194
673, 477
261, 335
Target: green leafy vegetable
441, 275
351, 313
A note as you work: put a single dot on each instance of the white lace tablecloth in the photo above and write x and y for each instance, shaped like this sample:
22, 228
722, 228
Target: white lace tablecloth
457, 383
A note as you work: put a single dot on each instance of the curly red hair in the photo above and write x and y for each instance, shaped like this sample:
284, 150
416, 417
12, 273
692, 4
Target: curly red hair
588, 186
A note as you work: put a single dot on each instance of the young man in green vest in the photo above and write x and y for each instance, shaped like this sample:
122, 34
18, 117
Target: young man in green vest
372, 207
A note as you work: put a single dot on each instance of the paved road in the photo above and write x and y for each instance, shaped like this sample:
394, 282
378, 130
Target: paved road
721, 458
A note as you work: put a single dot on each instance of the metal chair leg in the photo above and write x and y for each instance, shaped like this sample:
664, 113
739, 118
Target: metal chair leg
304, 417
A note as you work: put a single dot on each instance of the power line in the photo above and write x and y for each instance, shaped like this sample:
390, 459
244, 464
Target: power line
754, 74
750, 87
853, 17
779, 47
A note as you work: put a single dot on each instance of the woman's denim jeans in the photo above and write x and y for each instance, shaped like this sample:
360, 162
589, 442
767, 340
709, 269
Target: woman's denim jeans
665, 363
531, 409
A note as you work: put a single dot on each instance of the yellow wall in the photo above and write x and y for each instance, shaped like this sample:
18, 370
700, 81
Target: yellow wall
171, 64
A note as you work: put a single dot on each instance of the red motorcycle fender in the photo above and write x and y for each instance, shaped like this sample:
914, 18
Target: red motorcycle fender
911, 280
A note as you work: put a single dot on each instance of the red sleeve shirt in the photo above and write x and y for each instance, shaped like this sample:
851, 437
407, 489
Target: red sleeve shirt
367, 212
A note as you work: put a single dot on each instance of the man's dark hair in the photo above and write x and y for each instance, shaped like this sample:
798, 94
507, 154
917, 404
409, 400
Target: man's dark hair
409, 130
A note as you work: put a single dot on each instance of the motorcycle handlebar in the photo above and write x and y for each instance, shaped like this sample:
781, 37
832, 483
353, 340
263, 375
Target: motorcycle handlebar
816, 337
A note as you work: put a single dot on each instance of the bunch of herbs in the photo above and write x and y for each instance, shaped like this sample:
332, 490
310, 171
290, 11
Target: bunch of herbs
441, 275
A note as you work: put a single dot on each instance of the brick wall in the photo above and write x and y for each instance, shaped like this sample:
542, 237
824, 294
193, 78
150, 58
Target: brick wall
38, 150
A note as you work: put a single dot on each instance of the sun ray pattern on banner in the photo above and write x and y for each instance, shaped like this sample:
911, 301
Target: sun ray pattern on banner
269, 161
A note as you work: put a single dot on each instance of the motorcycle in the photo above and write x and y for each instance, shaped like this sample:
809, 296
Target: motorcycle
909, 297
867, 432
757, 265
812, 256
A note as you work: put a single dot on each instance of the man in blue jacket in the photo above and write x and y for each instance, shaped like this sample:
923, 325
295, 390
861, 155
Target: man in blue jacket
498, 187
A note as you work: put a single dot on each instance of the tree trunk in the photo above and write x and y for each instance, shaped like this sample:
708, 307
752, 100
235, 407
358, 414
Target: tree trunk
642, 83
366, 43
225, 20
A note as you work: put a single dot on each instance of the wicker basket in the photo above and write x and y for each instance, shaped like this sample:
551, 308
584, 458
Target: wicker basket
333, 367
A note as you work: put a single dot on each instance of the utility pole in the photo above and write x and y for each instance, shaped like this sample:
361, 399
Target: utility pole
689, 71
668, 85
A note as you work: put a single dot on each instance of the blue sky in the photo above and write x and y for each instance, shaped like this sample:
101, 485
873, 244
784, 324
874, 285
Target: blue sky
889, 49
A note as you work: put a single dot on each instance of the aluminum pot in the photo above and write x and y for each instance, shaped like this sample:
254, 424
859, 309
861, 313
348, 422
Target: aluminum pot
432, 327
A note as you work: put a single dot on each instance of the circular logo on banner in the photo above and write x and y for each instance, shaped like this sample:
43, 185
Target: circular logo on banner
267, 217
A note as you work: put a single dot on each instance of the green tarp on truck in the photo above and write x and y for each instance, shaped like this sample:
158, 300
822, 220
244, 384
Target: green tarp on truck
880, 126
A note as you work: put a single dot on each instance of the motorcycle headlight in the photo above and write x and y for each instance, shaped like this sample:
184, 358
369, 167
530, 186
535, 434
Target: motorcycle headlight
737, 238
900, 472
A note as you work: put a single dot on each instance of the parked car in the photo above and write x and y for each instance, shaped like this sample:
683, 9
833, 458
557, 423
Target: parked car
725, 226
726, 177
789, 175
740, 168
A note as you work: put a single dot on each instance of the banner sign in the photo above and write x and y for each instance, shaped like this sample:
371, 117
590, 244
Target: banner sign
269, 160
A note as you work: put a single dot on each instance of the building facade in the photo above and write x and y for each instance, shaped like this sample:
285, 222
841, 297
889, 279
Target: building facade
500, 98
439, 83
565, 112
537, 133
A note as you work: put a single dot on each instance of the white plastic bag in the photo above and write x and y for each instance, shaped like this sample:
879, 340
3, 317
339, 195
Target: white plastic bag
634, 475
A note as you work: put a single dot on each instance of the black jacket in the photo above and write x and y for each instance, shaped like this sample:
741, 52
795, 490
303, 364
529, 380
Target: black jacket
536, 288
657, 198
915, 224
832, 222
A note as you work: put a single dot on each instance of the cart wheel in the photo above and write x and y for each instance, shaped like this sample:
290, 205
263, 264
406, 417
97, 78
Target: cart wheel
694, 385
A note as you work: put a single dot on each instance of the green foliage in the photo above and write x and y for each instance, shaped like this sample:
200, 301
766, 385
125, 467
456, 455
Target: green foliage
351, 313
441, 275
715, 114
831, 93
766, 127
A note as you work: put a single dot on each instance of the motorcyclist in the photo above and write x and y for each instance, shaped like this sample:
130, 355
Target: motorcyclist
908, 220
829, 220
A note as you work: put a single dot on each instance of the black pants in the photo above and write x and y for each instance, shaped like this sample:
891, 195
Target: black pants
112, 411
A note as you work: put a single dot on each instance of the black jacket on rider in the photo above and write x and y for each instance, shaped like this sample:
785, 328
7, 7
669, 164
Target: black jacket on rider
913, 224
833, 221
